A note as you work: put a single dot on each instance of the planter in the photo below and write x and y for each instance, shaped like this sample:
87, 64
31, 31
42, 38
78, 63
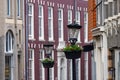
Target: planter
72, 54
48, 65
87, 48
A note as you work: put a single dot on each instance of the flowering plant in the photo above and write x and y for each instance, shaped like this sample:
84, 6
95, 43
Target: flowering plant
72, 48
47, 60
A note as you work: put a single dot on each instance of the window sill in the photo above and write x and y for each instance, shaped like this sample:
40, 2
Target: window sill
32, 39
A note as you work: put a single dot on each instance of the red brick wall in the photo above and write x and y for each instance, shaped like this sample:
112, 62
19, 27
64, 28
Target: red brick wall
91, 17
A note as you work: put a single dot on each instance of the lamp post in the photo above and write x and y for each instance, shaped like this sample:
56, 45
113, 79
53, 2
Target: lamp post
48, 51
73, 34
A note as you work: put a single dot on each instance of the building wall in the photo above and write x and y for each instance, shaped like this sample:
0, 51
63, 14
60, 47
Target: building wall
13, 24
91, 17
37, 44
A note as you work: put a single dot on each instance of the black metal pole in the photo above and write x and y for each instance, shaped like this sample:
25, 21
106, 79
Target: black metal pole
48, 73
73, 69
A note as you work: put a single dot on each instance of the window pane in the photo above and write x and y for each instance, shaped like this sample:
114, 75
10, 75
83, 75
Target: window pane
8, 7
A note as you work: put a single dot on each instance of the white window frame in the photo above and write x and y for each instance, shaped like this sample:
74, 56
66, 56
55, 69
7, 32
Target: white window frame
78, 22
31, 67
69, 16
70, 69
31, 23
42, 69
18, 8
50, 25
85, 27
51, 75
10, 68
86, 65
60, 28
9, 42
78, 69
41, 26
8, 7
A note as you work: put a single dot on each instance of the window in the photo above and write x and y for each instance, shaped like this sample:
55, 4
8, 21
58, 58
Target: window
85, 27
99, 13
9, 41
8, 68
41, 23
118, 74
78, 22
8, 7
50, 23
62, 73
18, 7
86, 66
31, 64
70, 69
110, 9
119, 5
42, 76
106, 11
69, 16
60, 24
77, 69
51, 70
30, 21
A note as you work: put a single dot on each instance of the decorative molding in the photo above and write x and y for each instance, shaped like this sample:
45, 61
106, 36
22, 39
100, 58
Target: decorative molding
50, 4
60, 5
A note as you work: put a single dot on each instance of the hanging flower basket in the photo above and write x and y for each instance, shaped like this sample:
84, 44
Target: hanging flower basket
72, 51
48, 63
72, 54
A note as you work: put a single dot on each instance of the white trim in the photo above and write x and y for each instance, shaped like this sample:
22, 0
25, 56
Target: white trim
31, 59
85, 27
32, 22
43, 70
61, 29
50, 27
42, 23
78, 22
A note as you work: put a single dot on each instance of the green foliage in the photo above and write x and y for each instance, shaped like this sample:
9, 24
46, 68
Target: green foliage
72, 48
47, 60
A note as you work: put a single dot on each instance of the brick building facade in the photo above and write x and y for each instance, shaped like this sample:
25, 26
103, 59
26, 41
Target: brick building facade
46, 21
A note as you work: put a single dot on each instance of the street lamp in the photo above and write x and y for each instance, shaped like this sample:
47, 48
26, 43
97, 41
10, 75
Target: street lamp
48, 51
73, 31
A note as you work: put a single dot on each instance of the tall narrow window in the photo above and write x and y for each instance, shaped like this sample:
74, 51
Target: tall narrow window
86, 66
70, 69
78, 22
8, 68
60, 24
30, 21
18, 7
69, 16
85, 27
51, 70
77, 69
42, 76
62, 69
41, 23
20, 36
115, 7
8, 7
50, 23
31, 64
119, 68
9, 41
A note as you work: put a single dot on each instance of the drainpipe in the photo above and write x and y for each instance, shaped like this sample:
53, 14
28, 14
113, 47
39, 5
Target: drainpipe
26, 40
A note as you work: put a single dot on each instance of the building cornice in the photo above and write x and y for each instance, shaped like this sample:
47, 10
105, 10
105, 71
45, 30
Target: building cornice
98, 31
